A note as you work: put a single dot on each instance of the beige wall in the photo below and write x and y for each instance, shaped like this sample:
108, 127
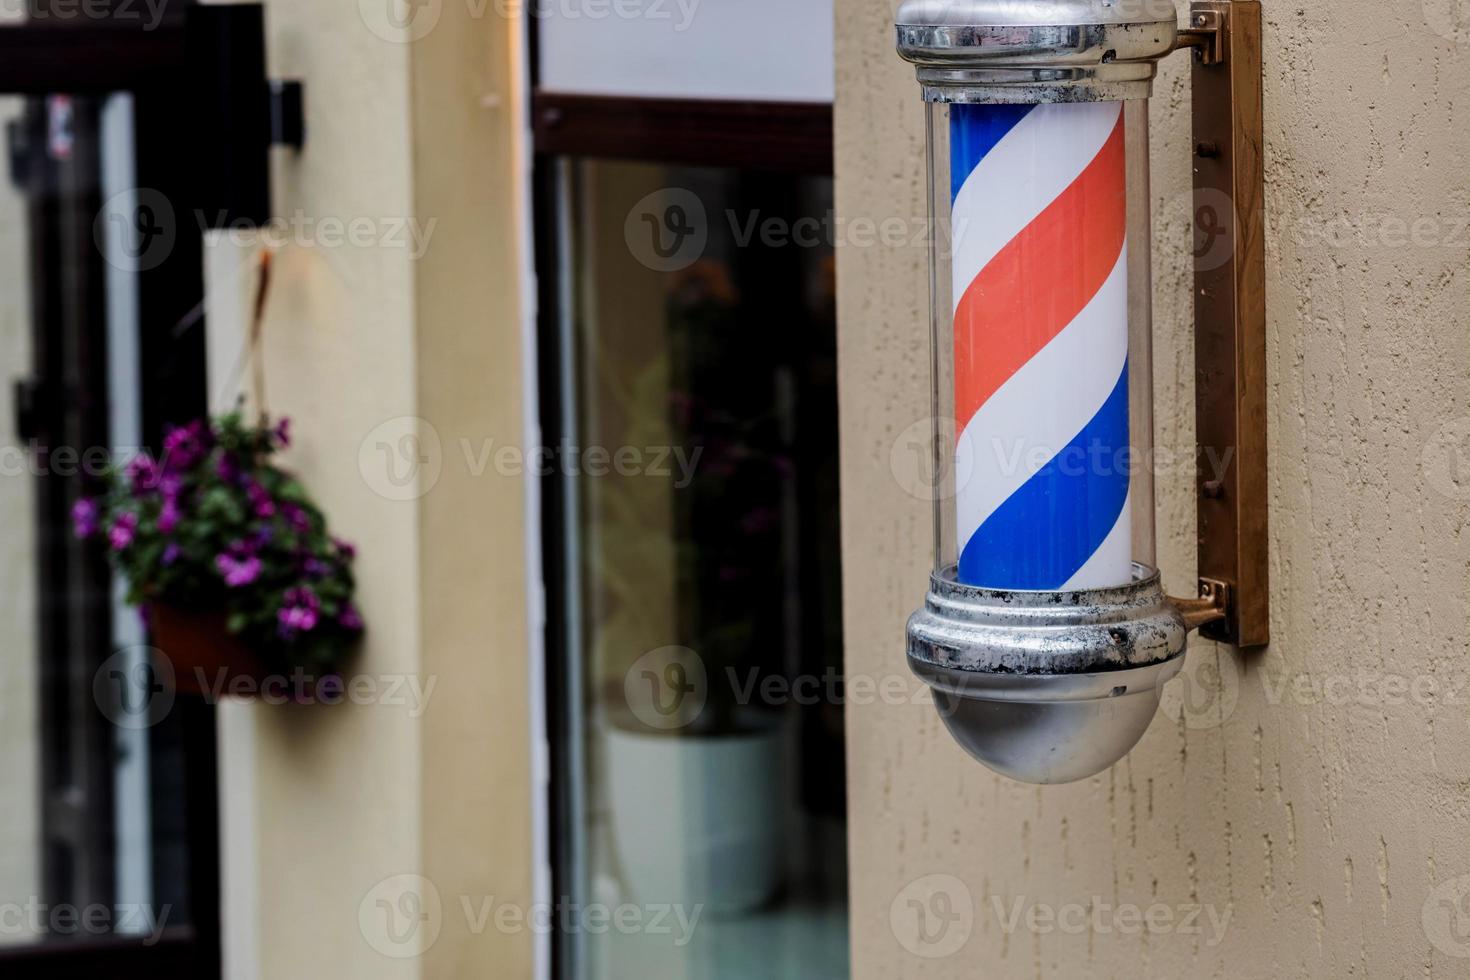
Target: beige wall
325, 809
1329, 826
467, 143
20, 804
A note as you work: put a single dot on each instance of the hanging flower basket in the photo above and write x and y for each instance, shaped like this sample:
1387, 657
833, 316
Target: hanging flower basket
200, 654
229, 557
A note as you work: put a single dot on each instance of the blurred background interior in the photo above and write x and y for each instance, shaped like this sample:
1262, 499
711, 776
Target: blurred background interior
723, 358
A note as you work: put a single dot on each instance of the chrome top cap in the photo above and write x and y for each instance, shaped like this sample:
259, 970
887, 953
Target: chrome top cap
1026, 51
1031, 13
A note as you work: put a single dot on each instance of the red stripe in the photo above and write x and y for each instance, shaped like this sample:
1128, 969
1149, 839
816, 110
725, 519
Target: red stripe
1040, 280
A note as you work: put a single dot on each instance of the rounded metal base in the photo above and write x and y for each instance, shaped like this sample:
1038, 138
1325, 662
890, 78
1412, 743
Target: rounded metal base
1047, 687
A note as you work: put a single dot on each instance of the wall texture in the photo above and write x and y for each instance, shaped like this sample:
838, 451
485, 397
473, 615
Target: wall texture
1300, 811
381, 838
20, 805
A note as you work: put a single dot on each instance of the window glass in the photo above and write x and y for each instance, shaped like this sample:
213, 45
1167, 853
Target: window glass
704, 776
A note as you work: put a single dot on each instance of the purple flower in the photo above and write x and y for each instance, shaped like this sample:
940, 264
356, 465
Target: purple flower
122, 531
171, 484
168, 515
237, 571
182, 447
171, 553
296, 517
260, 500
350, 619
345, 548
283, 431
315, 567
84, 517
144, 473
302, 596
227, 468
293, 618
300, 611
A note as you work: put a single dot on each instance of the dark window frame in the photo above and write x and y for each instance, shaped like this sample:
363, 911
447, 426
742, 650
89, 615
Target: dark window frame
68, 405
64, 51
789, 137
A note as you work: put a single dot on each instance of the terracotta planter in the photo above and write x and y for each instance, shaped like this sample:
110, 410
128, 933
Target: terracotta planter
200, 648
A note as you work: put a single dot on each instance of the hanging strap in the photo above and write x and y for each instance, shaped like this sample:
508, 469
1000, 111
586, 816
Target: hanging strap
257, 322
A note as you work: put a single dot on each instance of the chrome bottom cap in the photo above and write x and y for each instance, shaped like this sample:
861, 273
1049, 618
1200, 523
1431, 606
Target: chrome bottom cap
1047, 687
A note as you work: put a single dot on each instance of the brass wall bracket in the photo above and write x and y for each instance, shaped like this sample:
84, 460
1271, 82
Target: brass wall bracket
1230, 317
1206, 35
1212, 606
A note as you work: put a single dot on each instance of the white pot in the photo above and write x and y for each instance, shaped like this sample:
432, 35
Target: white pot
697, 820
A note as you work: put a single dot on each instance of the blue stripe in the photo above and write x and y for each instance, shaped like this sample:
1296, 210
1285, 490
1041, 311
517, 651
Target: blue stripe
1052, 524
973, 132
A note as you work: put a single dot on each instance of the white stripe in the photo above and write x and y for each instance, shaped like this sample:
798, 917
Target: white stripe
1023, 173
1112, 563
1041, 407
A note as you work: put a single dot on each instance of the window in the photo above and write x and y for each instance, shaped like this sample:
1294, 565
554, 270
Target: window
688, 353
108, 851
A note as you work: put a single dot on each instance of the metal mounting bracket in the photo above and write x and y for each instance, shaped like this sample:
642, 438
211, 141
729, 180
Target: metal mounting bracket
1205, 35
1230, 323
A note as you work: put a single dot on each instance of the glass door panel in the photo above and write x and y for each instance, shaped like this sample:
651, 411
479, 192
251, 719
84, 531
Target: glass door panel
702, 765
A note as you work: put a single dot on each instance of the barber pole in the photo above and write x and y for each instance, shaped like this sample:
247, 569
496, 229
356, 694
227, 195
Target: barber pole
1045, 633
1040, 274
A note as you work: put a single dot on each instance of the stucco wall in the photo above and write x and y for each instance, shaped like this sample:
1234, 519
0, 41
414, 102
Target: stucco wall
1294, 812
20, 805
382, 838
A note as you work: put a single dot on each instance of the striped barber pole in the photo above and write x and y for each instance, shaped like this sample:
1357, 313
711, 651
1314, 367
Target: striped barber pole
1041, 345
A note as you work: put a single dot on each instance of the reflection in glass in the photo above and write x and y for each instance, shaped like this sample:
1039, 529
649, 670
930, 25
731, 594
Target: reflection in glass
705, 636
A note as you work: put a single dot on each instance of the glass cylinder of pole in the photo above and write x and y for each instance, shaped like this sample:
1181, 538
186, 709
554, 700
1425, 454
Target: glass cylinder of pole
1041, 343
